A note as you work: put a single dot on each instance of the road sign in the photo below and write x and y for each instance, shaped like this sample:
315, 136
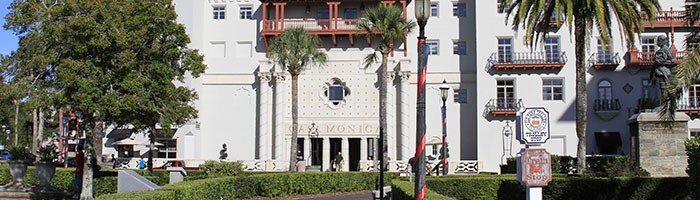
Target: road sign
534, 125
535, 167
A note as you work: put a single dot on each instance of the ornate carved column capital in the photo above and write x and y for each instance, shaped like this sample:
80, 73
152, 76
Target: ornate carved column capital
404, 75
280, 77
390, 76
265, 77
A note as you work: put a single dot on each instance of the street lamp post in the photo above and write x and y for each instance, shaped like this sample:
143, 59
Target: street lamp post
313, 133
422, 13
444, 92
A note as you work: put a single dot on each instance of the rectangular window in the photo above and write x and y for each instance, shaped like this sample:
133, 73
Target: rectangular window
604, 52
351, 13
694, 133
505, 95
552, 90
459, 10
551, 49
322, 13
434, 46
219, 12
505, 46
434, 9
648, 44
648, 89
247, 12
694, 96
459, 47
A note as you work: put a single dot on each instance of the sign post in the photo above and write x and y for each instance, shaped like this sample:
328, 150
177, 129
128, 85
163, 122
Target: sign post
534, 164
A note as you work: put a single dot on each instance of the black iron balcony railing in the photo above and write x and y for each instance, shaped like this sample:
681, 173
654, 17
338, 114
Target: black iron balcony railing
504, 107
607, 105
527, 60
607, 61
646, 104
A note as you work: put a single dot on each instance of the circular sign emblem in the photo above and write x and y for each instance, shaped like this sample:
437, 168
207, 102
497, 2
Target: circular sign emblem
535, 126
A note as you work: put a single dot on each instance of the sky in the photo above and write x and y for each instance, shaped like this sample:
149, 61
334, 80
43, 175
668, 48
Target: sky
8, 41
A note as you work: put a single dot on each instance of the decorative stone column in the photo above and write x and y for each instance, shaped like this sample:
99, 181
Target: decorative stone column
363, 149
326, 154
307, 151
280, 78
345, 149
404, 132
263, 116
391, 116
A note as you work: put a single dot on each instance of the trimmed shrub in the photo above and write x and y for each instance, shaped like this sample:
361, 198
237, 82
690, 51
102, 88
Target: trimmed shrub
561, 188
269, 185
219, 168
151, 195
692, 149
613, 166
401, 190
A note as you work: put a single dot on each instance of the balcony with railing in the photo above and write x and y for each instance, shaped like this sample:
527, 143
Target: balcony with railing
690, 106
504, 107
669, 19
605, 61
606, 109
527, 60
275, 21
645, 60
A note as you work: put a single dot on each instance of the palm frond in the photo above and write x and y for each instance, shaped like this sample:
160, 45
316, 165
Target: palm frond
369, 59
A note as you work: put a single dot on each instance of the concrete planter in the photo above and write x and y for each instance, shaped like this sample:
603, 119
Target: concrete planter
18, 168
45, 170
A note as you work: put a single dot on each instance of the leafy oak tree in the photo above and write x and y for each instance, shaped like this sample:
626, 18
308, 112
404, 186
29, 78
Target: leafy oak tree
114, 62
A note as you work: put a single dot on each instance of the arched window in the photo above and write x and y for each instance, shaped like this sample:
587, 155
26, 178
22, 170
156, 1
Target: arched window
604, 89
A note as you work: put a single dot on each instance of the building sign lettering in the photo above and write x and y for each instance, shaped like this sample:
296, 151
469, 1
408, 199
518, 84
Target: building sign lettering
535, 167
338, 128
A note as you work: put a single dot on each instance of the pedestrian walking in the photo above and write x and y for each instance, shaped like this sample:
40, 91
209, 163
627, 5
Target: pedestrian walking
78, 177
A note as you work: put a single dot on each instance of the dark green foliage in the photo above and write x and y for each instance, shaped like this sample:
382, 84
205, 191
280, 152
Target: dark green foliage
220, 168
401, 190
561, 188
266, 185
692, 149
614, 166
598, 166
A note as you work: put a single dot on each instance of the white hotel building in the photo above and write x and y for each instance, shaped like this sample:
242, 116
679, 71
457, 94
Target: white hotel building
245, 100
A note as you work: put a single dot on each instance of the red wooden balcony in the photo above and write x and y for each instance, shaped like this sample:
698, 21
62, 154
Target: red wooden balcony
607, 61
504, 107
527, 60
668, 19
645, 60
318, 27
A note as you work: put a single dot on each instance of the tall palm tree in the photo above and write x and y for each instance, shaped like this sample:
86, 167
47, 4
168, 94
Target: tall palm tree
581, 15
688, 70
294, 50
388, 25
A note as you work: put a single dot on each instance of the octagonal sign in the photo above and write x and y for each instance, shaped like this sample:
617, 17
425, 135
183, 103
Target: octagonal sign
534, 126
535, 167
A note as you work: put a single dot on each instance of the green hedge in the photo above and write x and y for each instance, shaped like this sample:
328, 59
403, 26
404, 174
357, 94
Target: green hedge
401, 190
265, 185
561, 188
597, 166
692, 149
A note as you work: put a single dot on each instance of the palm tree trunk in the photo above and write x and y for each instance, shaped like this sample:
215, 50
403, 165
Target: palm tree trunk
295, 121
382, 105
582, 100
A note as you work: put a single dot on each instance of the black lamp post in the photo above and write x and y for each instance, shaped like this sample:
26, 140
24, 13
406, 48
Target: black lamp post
444, 92
422, 13
4, 128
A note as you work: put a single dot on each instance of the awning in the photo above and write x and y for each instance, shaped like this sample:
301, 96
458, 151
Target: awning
126, 141
148, 143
